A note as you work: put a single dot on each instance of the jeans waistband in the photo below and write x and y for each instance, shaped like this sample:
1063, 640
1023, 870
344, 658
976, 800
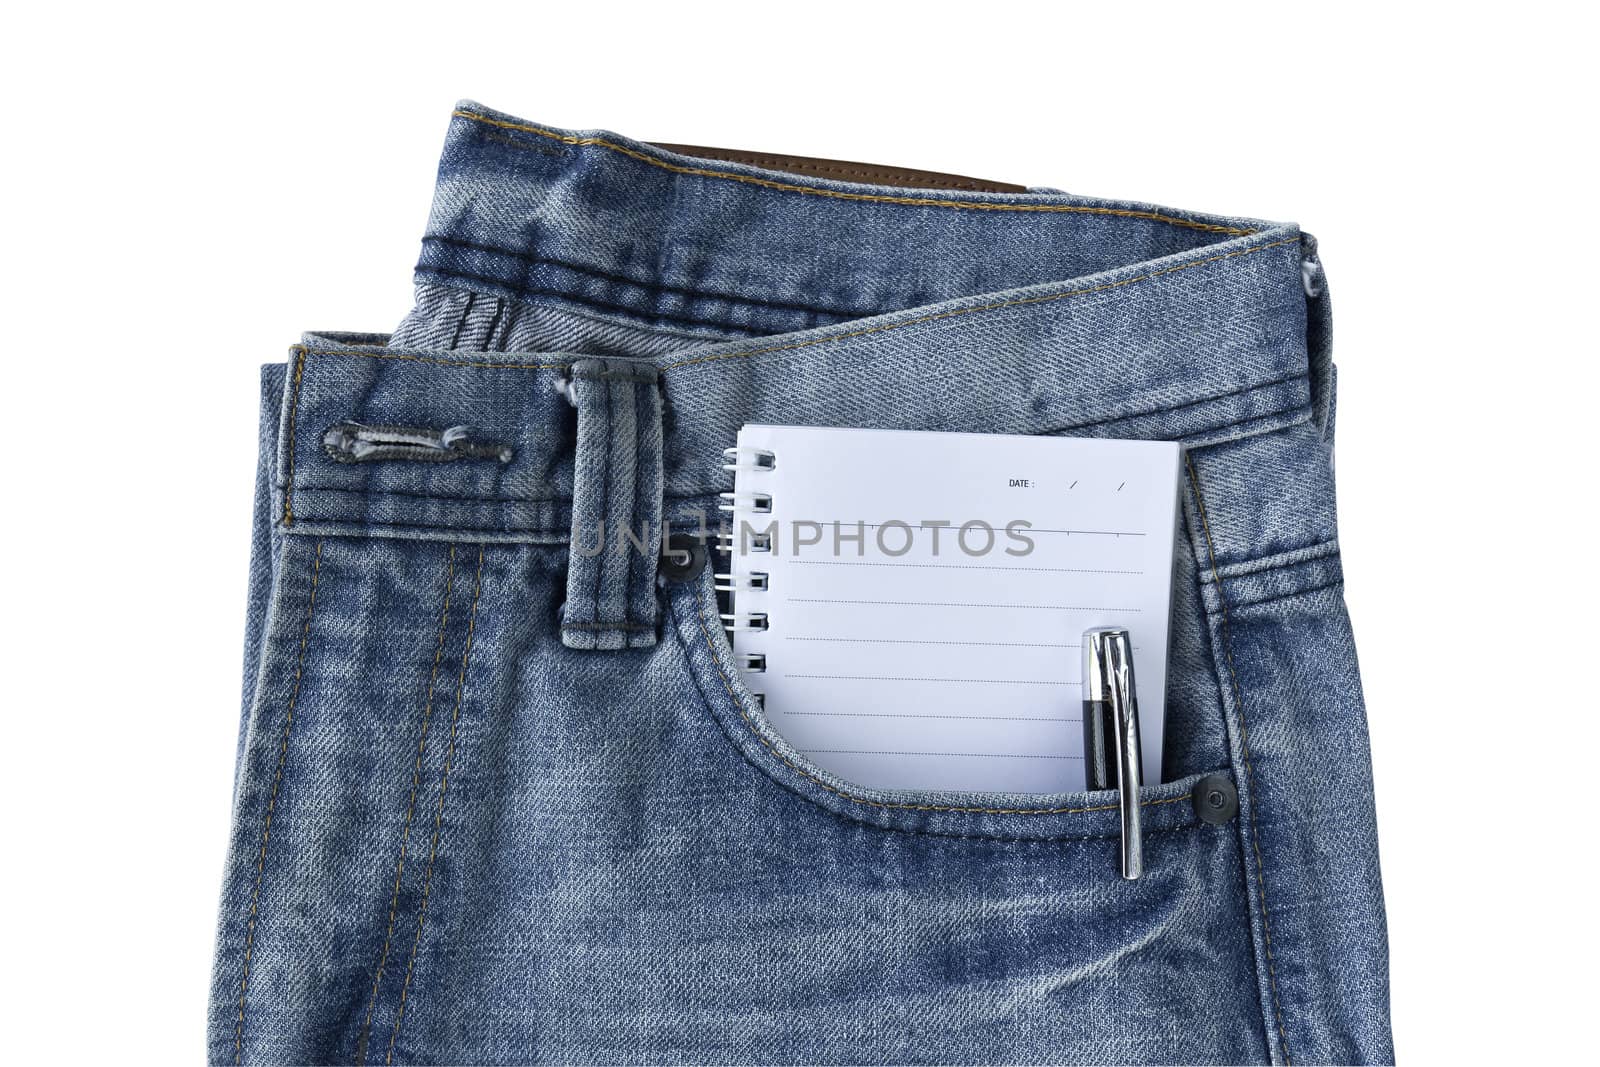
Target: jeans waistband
755, 295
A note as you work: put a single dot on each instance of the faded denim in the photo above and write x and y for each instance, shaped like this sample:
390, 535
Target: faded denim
499, 801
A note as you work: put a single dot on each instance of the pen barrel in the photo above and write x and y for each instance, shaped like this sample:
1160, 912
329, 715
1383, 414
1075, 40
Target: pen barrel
1099, 744
1111, 731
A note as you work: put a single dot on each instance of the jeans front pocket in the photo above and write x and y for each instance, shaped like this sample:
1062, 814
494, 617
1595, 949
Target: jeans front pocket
980, 925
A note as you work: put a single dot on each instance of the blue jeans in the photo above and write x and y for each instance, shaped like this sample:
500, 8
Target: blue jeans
501, 801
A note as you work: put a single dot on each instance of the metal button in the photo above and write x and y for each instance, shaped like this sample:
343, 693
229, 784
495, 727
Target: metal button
1215, 799
683, 558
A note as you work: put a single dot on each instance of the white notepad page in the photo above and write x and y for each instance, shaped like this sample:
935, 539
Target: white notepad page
898, 663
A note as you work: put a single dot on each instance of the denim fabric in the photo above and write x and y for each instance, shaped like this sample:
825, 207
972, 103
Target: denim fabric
501, 801
616, 488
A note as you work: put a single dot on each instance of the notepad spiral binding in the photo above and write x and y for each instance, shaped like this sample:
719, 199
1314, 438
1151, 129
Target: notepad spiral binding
744, 463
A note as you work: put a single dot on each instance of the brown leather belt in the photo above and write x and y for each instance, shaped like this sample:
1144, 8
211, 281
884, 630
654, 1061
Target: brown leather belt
844, 171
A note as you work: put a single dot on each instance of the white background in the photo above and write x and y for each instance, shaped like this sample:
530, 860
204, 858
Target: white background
191, 188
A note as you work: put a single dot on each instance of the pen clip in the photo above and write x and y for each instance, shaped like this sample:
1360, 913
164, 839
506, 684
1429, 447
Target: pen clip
1111, 754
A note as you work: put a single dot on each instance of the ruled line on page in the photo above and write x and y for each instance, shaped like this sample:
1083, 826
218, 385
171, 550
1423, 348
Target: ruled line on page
927, 641
917, 678
957, 566
921, 715
971, 755
995, 526
961, 604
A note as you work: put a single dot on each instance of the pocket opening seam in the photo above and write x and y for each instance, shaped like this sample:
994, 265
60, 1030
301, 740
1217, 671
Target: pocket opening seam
888, 805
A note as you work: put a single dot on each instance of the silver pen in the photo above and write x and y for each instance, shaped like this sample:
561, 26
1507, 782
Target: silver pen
1111, 757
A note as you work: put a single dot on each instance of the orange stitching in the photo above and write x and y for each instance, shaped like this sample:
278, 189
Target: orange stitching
739, 704
1244, 740
834, 337
294, 406
914, 201
440, 362
438, 816
411, 805
984, 307
272, 802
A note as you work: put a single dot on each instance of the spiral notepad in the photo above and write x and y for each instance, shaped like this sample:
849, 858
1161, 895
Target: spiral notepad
908, 605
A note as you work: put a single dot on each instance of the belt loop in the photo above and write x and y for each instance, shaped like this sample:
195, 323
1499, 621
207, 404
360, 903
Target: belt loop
616, 512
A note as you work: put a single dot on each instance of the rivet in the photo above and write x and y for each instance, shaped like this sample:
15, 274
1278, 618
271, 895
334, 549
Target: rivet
683, 558
1216, 801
